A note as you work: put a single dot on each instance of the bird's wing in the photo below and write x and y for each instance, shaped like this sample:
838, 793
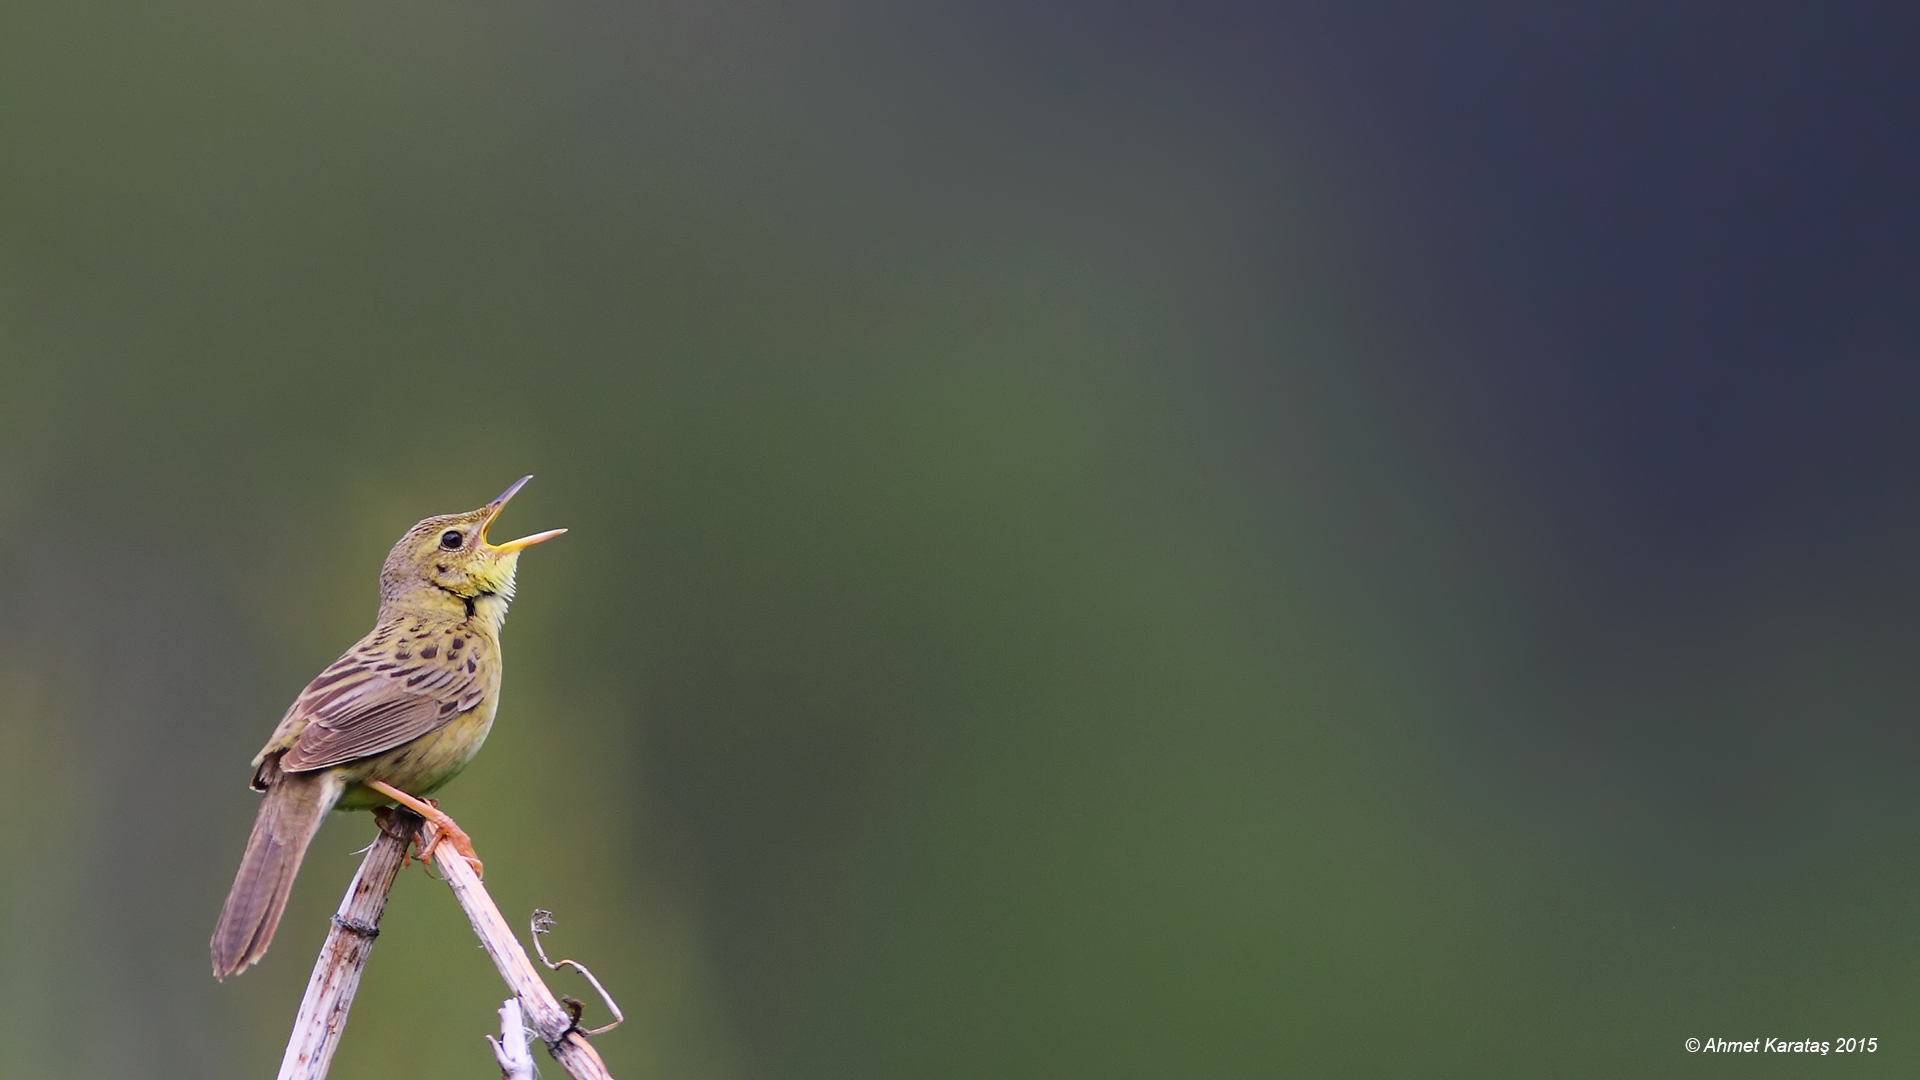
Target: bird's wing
370, 702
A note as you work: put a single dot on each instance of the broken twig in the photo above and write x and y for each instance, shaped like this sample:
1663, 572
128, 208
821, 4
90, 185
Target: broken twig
510, 1049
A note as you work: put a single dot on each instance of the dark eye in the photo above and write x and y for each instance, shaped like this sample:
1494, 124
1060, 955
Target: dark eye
451, 539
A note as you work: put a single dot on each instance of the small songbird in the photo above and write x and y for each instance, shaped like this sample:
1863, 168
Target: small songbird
389, 722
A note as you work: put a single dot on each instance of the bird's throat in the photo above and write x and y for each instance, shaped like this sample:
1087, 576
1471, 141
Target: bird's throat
489, 609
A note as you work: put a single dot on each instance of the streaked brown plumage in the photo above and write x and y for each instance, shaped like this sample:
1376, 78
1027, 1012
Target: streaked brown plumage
409, 706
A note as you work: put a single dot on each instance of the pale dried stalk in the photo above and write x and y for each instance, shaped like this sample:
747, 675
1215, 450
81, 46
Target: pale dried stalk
545, 1017
336, 974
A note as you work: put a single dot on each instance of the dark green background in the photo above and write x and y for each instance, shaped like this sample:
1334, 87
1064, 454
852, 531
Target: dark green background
1111, 542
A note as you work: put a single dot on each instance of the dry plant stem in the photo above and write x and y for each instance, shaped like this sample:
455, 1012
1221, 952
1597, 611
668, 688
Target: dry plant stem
336, 974
548, 1020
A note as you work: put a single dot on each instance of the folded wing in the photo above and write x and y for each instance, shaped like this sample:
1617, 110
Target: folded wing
368, 705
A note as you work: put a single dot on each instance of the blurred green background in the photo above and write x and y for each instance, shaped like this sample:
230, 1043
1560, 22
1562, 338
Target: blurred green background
1105, 542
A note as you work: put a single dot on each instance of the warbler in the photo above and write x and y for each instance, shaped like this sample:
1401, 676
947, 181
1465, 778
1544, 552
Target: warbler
396, 717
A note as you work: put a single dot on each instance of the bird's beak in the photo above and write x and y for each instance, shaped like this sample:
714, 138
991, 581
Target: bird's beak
499, 504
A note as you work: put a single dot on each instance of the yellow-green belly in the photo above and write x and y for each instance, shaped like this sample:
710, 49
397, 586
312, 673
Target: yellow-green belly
422, 766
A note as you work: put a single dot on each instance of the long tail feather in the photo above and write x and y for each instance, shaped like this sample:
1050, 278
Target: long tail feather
295, 805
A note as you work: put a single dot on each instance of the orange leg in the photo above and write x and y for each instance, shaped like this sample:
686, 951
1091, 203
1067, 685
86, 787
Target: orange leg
443, 825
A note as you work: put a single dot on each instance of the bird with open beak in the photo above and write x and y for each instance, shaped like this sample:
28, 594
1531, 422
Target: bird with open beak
390, 722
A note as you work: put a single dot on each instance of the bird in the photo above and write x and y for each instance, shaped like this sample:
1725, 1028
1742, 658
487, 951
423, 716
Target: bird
397, 716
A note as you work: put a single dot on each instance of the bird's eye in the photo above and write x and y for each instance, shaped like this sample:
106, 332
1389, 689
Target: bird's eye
452, 539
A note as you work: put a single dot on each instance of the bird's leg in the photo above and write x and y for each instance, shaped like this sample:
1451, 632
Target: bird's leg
444, 828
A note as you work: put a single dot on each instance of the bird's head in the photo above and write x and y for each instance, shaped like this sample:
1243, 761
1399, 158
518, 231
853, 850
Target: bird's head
446, 562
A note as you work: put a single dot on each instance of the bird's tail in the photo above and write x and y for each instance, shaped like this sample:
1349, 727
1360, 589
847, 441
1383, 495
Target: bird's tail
295, 805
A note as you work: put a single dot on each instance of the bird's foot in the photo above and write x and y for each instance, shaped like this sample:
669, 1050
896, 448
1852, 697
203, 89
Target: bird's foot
441, 827
401, 824
387, 818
